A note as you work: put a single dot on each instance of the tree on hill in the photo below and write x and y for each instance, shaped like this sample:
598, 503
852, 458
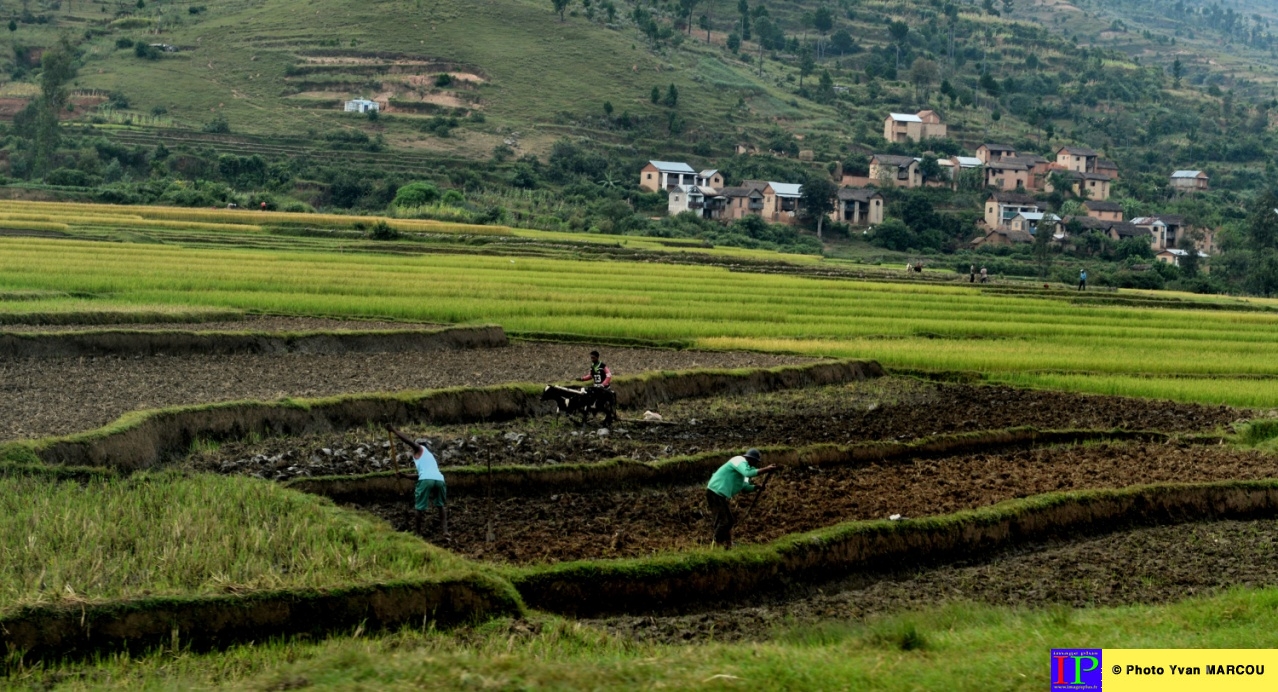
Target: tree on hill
842, 42
823, 22
806, 65
686, 7
672, 96
923, 73
561, 6
58, 65
818, 199
899, 32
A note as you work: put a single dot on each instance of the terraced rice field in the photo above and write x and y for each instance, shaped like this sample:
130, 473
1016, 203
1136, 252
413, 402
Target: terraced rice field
1028, 358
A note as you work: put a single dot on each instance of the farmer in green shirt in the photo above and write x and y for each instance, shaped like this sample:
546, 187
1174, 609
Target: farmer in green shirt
730, 480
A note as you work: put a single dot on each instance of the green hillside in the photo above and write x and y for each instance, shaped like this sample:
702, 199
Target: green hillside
285, 66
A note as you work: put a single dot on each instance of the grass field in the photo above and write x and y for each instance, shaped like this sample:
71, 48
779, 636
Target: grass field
158, 535
965, 647
917, 326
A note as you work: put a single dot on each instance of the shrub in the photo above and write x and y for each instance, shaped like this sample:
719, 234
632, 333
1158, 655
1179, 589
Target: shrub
443, 80
218, 125
417, 195
453, 198
123, 43
383, 231
145, 51
71, 177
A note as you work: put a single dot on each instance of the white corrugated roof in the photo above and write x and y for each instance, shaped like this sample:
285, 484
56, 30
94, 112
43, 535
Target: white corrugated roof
905, 117
1186, 174
673, 167
709, 172
968, 161
787, 189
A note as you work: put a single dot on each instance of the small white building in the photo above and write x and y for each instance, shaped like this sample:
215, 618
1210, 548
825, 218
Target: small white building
362, 106
1173, 256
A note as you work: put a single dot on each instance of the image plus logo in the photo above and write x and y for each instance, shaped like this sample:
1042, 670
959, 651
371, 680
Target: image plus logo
1076, 670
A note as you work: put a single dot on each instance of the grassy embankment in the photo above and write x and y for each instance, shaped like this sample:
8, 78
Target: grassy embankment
1031, 339
97, 539
960, 647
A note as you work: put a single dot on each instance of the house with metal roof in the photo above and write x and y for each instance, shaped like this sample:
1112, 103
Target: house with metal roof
1188, 181
916, 127
660, 176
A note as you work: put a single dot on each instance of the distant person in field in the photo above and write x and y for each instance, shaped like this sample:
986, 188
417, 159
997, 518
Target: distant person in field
971, 274
600, 374
985, 276
1082, 279
430, 490
732, 479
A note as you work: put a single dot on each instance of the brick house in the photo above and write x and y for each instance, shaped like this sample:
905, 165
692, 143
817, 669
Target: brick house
1103, 210
1122, 230
859, 206
660, 176
710, 178
1029, 221
1005, 174
742, 201
1078, 159
1037, 168
901, 171
1002, 207
994, 152
906, 127
1097, 185
775, 202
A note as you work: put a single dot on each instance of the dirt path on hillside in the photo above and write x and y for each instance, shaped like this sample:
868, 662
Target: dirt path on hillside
611, 523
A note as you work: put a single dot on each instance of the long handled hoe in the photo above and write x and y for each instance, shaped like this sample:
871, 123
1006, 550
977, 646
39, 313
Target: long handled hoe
394, 452
490, 536
757, 497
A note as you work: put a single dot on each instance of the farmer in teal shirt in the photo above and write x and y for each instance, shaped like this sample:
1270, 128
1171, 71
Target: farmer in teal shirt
430, 490
729, 481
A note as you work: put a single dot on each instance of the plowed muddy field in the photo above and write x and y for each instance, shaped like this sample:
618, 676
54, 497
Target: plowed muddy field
608, 523
1149, 565
55, 396
883, 409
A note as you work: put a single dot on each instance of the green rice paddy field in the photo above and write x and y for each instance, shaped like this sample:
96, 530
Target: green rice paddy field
1034, 339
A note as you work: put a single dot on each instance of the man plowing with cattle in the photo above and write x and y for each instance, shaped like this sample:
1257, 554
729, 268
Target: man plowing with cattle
732, 479
600, 374
597, 398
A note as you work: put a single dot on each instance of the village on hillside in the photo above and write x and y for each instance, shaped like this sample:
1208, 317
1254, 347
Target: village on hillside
1014, 213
